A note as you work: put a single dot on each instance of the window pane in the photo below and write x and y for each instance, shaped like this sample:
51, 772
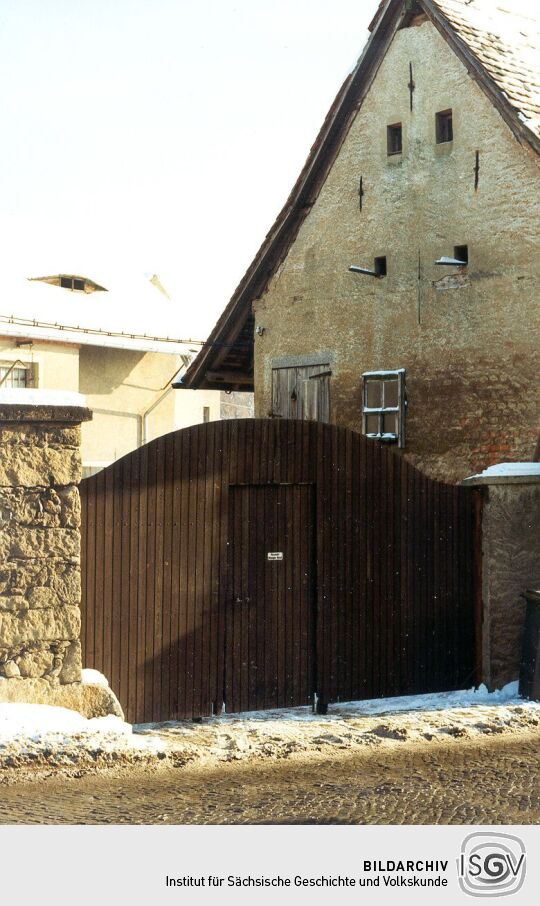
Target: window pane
390, 393
78, 284
390, 423
372, 424
15, 378
66, 282
373, 394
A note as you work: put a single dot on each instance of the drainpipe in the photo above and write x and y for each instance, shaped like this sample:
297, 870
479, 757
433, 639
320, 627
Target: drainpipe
143, 429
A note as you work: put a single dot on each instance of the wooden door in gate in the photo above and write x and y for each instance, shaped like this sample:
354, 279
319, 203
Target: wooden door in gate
269, 605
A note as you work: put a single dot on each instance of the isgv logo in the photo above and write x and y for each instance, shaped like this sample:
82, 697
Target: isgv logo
491, 865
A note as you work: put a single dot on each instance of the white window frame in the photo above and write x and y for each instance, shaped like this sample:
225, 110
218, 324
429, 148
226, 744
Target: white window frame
398, 375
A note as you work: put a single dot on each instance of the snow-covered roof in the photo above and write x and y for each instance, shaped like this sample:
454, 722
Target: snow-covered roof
132, 314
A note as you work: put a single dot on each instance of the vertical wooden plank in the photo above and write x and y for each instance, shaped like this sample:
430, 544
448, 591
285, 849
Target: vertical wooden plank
296, 611
142, 578
224, 539
347, 626
177, 540
439, 572
150, 584
473, 561
88, 569
184, 463
263, 630
386, 585
376, 568
84, 577
361, 558
404, 629
108, 574
270, 596
168, 518
416, 584
158, 448
431, 640
200, 604
320, 660
206, 580
252, 566
190, 576
245, 555
133, 571
123, 599
394, 521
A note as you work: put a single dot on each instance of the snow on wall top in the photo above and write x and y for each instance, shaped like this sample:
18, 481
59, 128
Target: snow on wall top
27, 397
506, 471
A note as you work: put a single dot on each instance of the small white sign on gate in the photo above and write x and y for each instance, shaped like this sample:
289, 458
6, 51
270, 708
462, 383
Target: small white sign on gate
275, 555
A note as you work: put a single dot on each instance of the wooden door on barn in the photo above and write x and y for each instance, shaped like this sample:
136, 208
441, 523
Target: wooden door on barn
185, 613
269, 608
302, 392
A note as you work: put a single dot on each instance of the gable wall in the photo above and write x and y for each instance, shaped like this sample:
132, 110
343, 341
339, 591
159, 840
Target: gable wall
471, 353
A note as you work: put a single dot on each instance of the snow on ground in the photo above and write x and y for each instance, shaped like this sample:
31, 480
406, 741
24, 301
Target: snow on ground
38, 738
349, 725
43, 738
31, 727
434, 701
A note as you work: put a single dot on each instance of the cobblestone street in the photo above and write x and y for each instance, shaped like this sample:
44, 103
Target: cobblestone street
489, 781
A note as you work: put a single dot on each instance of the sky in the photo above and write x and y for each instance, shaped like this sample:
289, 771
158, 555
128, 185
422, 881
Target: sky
161, 136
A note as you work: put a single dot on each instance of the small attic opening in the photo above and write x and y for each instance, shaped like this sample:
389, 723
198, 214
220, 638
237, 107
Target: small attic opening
394, 139
461, 253
444, 126
380, 266
413, 15
74, 282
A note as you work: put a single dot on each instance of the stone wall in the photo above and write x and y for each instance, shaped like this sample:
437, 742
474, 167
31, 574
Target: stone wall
40, 587
510, 566
469, 345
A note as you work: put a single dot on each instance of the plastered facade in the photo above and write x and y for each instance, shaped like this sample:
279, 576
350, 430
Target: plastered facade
128, 392
468, 342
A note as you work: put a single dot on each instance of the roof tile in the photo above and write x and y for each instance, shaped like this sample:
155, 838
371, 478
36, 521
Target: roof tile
505, 38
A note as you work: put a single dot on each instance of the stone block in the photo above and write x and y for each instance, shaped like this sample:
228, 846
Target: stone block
48, 624
40, 435
36, 660
22, 542
90, 700
39, 583
32, 466
47, 507
71, 663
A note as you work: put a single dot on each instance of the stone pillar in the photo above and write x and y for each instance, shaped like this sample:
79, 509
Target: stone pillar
510, 563
40, 576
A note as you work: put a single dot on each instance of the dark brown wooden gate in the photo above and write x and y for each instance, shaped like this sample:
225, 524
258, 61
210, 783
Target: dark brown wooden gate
368, 589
